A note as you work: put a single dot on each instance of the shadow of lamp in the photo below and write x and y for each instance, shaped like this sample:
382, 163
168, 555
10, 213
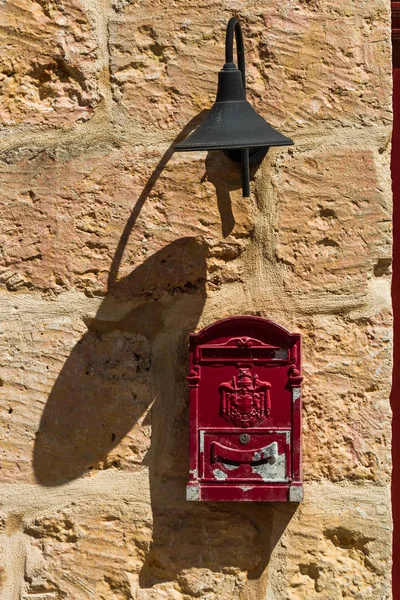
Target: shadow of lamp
232, 125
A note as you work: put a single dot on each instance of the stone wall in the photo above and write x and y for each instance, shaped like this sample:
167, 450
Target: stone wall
113, 249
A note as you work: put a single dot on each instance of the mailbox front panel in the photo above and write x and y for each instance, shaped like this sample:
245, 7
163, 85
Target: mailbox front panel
245, 412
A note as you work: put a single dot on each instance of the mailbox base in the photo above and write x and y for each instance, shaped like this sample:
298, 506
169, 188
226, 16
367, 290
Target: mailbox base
245, 492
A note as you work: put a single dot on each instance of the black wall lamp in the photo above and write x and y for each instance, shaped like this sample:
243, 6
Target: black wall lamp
232, 125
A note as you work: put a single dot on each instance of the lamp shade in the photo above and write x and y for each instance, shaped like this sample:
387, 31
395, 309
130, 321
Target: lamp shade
232, 122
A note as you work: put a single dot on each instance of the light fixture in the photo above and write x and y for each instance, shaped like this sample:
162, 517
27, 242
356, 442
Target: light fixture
232, 125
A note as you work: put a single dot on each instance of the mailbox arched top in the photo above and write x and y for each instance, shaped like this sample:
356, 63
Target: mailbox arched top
245, 328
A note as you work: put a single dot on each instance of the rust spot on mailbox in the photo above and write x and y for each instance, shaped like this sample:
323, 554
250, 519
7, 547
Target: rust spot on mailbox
245, 412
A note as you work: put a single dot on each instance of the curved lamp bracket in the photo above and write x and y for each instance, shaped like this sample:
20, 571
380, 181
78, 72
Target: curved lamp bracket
246, 156
234, 27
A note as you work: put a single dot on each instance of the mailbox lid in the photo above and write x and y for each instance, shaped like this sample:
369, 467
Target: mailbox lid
263, 457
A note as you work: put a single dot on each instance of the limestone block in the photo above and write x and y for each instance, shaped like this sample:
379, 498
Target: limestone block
108, 550
336, 546
49, 73
109, 546
69, 396
334, 221
346, 414
309, 64
69, 221
112, 543
81, 391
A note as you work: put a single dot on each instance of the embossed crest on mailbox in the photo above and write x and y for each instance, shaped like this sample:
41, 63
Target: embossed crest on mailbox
245, 412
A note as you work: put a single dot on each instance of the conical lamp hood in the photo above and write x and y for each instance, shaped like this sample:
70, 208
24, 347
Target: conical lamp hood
232, 122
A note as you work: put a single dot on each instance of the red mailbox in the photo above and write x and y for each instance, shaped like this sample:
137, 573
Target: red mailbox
245, 412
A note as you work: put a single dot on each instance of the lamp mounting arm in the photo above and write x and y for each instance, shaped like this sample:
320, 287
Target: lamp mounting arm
234, 27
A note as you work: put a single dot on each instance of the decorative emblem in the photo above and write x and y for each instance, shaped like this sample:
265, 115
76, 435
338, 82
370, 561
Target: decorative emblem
245, 342
245, 400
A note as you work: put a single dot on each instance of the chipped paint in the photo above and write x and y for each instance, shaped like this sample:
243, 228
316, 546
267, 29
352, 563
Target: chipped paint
231, 467
270, 452
296, 493
220, 475
272, 472
192, 492
194, 473
246, 488
296, 393
286, 432
201, 440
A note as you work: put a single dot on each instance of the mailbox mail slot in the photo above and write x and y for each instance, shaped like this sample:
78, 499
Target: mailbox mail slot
245, 412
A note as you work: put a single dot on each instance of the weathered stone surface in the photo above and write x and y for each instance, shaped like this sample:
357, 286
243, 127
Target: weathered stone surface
28, 371
68, 222
49, 72
309, 65
346, 413
335, 547
119, 549
76, 397
82, 549
334, 224
113, 249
